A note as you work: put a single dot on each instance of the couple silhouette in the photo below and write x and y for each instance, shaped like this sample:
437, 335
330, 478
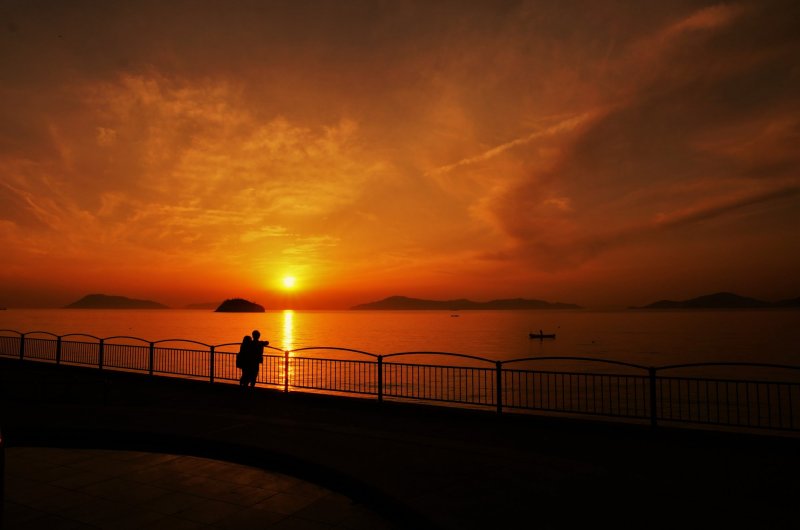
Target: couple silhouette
250, 357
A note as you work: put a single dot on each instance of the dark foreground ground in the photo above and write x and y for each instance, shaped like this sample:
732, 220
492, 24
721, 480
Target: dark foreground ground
419, 466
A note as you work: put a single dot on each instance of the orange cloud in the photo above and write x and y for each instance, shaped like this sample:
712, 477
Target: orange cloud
400, 146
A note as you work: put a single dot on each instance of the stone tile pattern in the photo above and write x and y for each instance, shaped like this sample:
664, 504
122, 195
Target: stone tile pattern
66, 489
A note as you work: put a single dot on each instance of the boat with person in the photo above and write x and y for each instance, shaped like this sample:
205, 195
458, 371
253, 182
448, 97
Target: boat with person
541, 335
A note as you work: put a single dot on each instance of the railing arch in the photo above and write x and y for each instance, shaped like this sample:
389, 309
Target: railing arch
40, 333
442, 353
182, 340
81, 335
732, 364
237, 344
127, 337
334, 348
589, 359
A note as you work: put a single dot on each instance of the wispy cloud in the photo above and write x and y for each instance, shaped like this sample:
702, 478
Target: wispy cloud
660, 133
564, 125
402, 142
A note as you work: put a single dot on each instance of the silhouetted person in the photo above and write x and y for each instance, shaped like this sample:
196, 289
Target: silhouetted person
256, 357
244, 358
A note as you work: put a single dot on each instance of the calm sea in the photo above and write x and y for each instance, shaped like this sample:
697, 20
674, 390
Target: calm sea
642, 337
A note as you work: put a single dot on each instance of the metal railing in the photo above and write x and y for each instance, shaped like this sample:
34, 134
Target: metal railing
629, 392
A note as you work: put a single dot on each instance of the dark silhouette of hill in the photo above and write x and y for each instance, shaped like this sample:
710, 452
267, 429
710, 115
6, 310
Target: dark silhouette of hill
718, 301
791, 302
239, 305
105, 301
404, 302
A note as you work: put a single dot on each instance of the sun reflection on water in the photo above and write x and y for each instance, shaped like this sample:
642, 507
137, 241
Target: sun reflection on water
288, 342
288, 329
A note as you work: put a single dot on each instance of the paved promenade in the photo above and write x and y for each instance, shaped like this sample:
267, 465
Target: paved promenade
405, 466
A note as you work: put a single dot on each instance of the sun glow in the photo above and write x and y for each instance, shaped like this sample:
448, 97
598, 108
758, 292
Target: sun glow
289, 282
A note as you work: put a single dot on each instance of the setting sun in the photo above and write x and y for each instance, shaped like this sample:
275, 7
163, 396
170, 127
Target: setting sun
289, 282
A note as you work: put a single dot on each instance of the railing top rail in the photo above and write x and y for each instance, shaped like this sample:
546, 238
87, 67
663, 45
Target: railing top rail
443, 353
438, 353
749, 364
80, 335
127, 337
333, 348
589, 359
237, 344
40, 332
182, 340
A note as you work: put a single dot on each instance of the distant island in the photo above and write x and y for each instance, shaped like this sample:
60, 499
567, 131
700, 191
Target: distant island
239, 305
105, 301
403, 302
720, 301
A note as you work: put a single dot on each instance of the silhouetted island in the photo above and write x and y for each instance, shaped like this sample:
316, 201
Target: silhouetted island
239, 305
791, 302
105, 301
720, 301
403, 302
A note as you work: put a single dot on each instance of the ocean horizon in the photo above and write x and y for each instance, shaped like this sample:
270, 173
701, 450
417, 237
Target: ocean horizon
652, 337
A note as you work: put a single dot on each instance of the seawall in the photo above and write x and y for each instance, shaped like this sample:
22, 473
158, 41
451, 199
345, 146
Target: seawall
424, 467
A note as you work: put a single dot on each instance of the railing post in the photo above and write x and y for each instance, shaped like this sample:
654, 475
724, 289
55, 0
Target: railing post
286, 370
499, 385
21, 346
100, 353
152, 356
211, 366
653, 409
58, 350
380, 378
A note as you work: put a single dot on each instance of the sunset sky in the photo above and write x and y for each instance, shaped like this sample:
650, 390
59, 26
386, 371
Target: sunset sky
591, 152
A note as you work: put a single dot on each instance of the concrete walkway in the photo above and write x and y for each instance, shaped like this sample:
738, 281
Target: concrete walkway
415, 466
55, 489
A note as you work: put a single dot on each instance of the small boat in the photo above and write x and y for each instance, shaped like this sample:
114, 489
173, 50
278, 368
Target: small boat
542, 335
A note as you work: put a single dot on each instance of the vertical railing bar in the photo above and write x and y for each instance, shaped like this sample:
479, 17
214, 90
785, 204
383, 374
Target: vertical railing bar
499, 384
211, 365
379, 366
708, 402
152, 357
602, 393
747, 399
286, 371
769, 404
653, 410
